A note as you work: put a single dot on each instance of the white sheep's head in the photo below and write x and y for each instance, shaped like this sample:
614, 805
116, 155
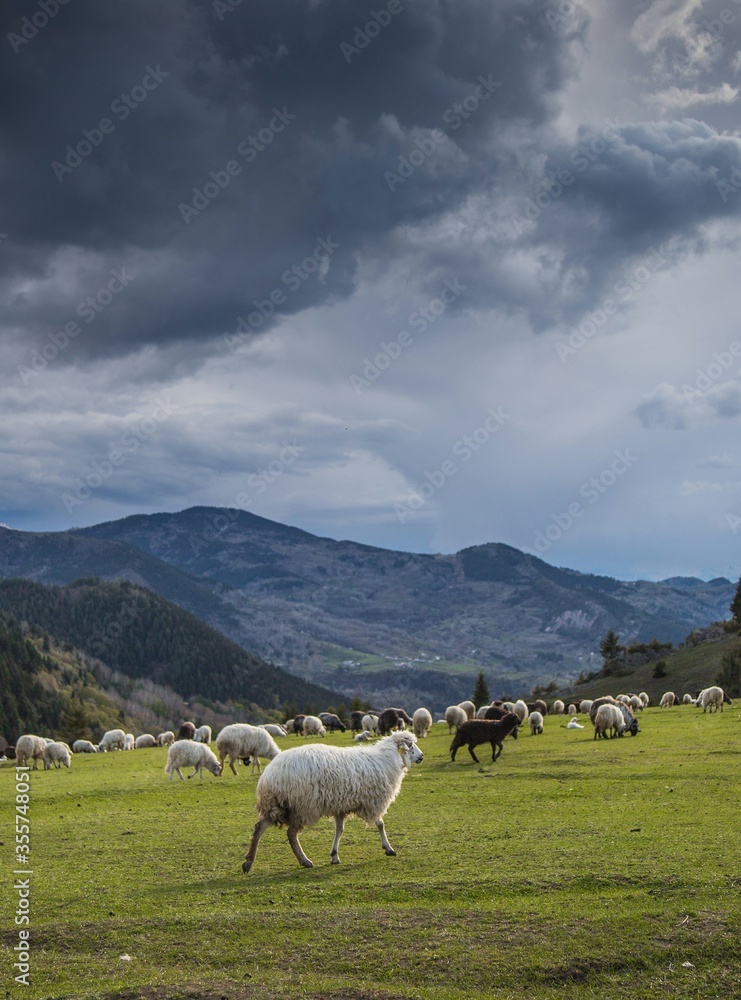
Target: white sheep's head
408, 749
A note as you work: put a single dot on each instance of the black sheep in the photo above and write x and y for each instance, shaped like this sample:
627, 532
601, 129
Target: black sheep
478, 731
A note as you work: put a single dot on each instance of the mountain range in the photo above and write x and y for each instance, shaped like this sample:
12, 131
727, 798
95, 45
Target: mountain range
388, 625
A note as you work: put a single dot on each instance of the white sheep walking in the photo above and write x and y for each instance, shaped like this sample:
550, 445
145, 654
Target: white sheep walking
241, 741
305, 783
421, 723
188, 753
455, 716
203, 734
713, 698
536, 723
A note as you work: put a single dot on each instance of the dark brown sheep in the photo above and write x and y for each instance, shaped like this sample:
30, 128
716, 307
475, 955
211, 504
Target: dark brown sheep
187, 731
477, 731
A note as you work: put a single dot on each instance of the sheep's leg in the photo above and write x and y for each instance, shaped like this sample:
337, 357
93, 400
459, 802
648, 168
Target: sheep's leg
293, 832
180, 774
256, 763
260, 828
384, 839
339, 826
231, 764
496, 750
470, 750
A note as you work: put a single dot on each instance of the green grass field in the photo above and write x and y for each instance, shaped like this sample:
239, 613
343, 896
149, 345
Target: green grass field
570, 869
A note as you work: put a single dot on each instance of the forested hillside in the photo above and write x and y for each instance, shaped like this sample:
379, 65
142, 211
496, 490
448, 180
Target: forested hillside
140, 634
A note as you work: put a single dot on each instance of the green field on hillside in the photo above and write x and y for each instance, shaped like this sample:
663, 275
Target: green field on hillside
569, 868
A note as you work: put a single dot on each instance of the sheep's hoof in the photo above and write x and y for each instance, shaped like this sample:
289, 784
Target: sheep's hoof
335, 859
307, 864
391, 852
246, 865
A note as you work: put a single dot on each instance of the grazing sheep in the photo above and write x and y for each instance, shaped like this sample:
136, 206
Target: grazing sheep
370, 723
298, 724
187, 731
625, 698
114, 739
403, 717
29, 747
538, 706
144, 741
241, 741
585, 706
636, 705
190, 753
608, 716
56, 753
166, 739
84, 746
202, 734
644, 698
273, 728
289, 726
668, 700
606, 699
713, 698
313, 726
687, 699
509, 705
573, 710
520, 710
305, 783
558, 707
129, 741
536, 723
469, 708
356, 721
331, 722
388, 720
421, 723
455, 716
630, 721
474, 732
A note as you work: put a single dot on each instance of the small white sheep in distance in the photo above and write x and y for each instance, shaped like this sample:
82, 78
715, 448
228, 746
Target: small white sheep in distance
608, 717
114, 739
455, 716
129, 741
313, 726
584, 706
30, 747
57, 754
305, 783
636, 705
687, 699
240, 741
536, 723
421, 723
188, 753
668, 700
645, 699
363, 737
144, 741
573, 710
558, 707
166, 739
84, 746
370, 723
203, 734
520, 710
273, 728
469, 708
713, 698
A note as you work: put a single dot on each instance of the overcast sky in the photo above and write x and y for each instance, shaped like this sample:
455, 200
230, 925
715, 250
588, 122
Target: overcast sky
423, 275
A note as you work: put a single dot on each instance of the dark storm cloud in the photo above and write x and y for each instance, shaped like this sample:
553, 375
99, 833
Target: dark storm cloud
164, 97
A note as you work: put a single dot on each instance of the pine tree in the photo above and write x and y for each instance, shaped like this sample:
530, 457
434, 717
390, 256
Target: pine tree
610, 646
481, 694
736, 604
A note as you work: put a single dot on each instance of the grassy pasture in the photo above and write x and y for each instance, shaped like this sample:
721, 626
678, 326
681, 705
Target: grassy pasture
569, 869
